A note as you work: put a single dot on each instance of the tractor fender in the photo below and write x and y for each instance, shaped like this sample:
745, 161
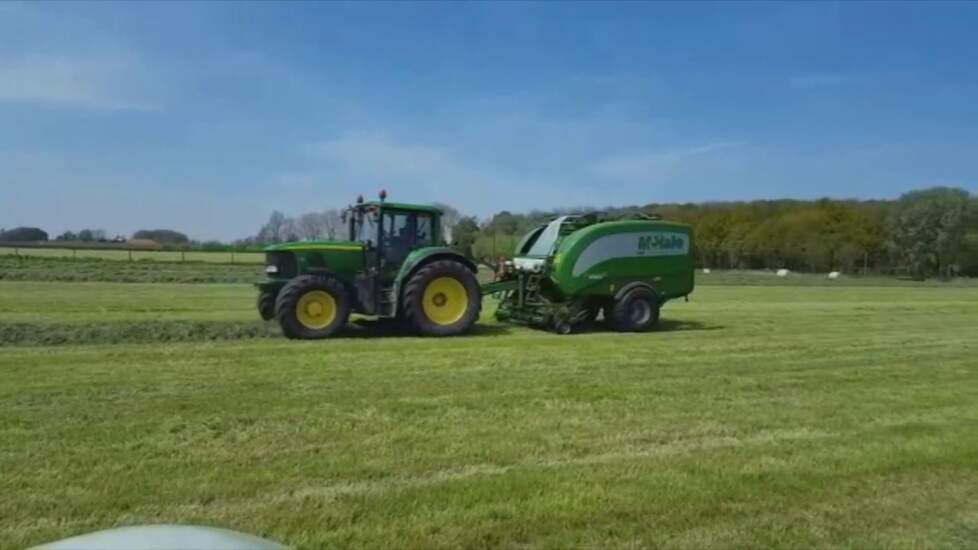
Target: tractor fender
628, 287
419, 258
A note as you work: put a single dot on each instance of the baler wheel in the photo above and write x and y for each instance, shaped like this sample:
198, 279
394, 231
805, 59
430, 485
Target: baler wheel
266, 305
442, 299
312, 306
636, 311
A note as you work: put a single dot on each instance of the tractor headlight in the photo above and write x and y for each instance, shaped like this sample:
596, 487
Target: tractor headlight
271, 269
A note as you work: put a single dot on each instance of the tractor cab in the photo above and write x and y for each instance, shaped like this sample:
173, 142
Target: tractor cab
389, 232
393, 265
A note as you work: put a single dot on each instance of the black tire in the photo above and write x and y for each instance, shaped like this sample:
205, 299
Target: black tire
266, 305
305, 324
414, 307
636, 311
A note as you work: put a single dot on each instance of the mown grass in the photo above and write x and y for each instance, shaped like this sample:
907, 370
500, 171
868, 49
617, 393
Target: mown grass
771, 278
94, 270
783, 417
50, 333
144, 271
51, 252
30, 302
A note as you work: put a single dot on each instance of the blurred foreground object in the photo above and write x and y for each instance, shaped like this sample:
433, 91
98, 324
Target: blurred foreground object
163, 537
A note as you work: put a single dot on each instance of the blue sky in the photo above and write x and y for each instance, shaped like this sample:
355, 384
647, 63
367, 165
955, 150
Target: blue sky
204, 117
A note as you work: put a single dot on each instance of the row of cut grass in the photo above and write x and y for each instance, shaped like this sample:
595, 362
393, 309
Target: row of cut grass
221, 257
95, 270
21, 268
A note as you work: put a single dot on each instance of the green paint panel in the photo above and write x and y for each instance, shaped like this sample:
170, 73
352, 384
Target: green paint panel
600, 258
309, 246
342, 258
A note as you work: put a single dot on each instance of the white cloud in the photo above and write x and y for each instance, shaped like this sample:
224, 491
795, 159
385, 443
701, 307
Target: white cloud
365, 163
99, 81
382, 155
655, 166
412, 171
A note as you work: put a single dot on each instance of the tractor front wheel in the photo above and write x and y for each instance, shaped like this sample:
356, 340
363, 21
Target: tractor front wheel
312, 306
442, 299
266, 305
636, 311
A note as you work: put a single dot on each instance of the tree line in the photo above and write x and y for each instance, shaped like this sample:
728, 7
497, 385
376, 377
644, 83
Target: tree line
926, 233
165, 237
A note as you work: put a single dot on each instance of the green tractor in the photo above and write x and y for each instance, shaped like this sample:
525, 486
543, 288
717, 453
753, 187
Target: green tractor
392, 266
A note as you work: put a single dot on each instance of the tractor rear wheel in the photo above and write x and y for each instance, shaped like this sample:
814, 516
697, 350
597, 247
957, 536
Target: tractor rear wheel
442, 299
636, 311
312, 306
266, 305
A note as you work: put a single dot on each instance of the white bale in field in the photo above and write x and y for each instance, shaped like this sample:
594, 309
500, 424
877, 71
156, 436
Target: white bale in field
706, 270
834, 275
783, 272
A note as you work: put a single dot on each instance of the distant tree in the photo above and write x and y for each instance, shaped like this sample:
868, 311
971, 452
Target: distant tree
969, 243
711, 232
212, 245
327, 224
969, 255
67, 236
92, 235
162, 236
488, 248
736, 245
464, 235
333, 226
927, 230
269, 233
310, 226
288, 231
24, 234
449, 219
504, 223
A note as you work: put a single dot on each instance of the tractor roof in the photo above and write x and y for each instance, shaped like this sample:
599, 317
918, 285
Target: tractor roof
405, 206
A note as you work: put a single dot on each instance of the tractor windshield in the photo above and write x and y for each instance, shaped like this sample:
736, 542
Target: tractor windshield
545, 242
366, 228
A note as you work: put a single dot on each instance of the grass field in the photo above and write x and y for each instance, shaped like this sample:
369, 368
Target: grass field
33, 269
784, 416
135, 255
86, 270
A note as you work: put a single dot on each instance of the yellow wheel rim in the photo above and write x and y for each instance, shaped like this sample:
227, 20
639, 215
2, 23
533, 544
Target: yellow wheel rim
316, 309
445, 300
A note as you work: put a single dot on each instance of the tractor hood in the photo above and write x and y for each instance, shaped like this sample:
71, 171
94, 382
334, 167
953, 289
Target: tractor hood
315, 246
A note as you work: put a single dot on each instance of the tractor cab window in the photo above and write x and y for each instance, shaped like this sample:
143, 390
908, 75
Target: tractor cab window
404, 232
424, 230
366, 228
